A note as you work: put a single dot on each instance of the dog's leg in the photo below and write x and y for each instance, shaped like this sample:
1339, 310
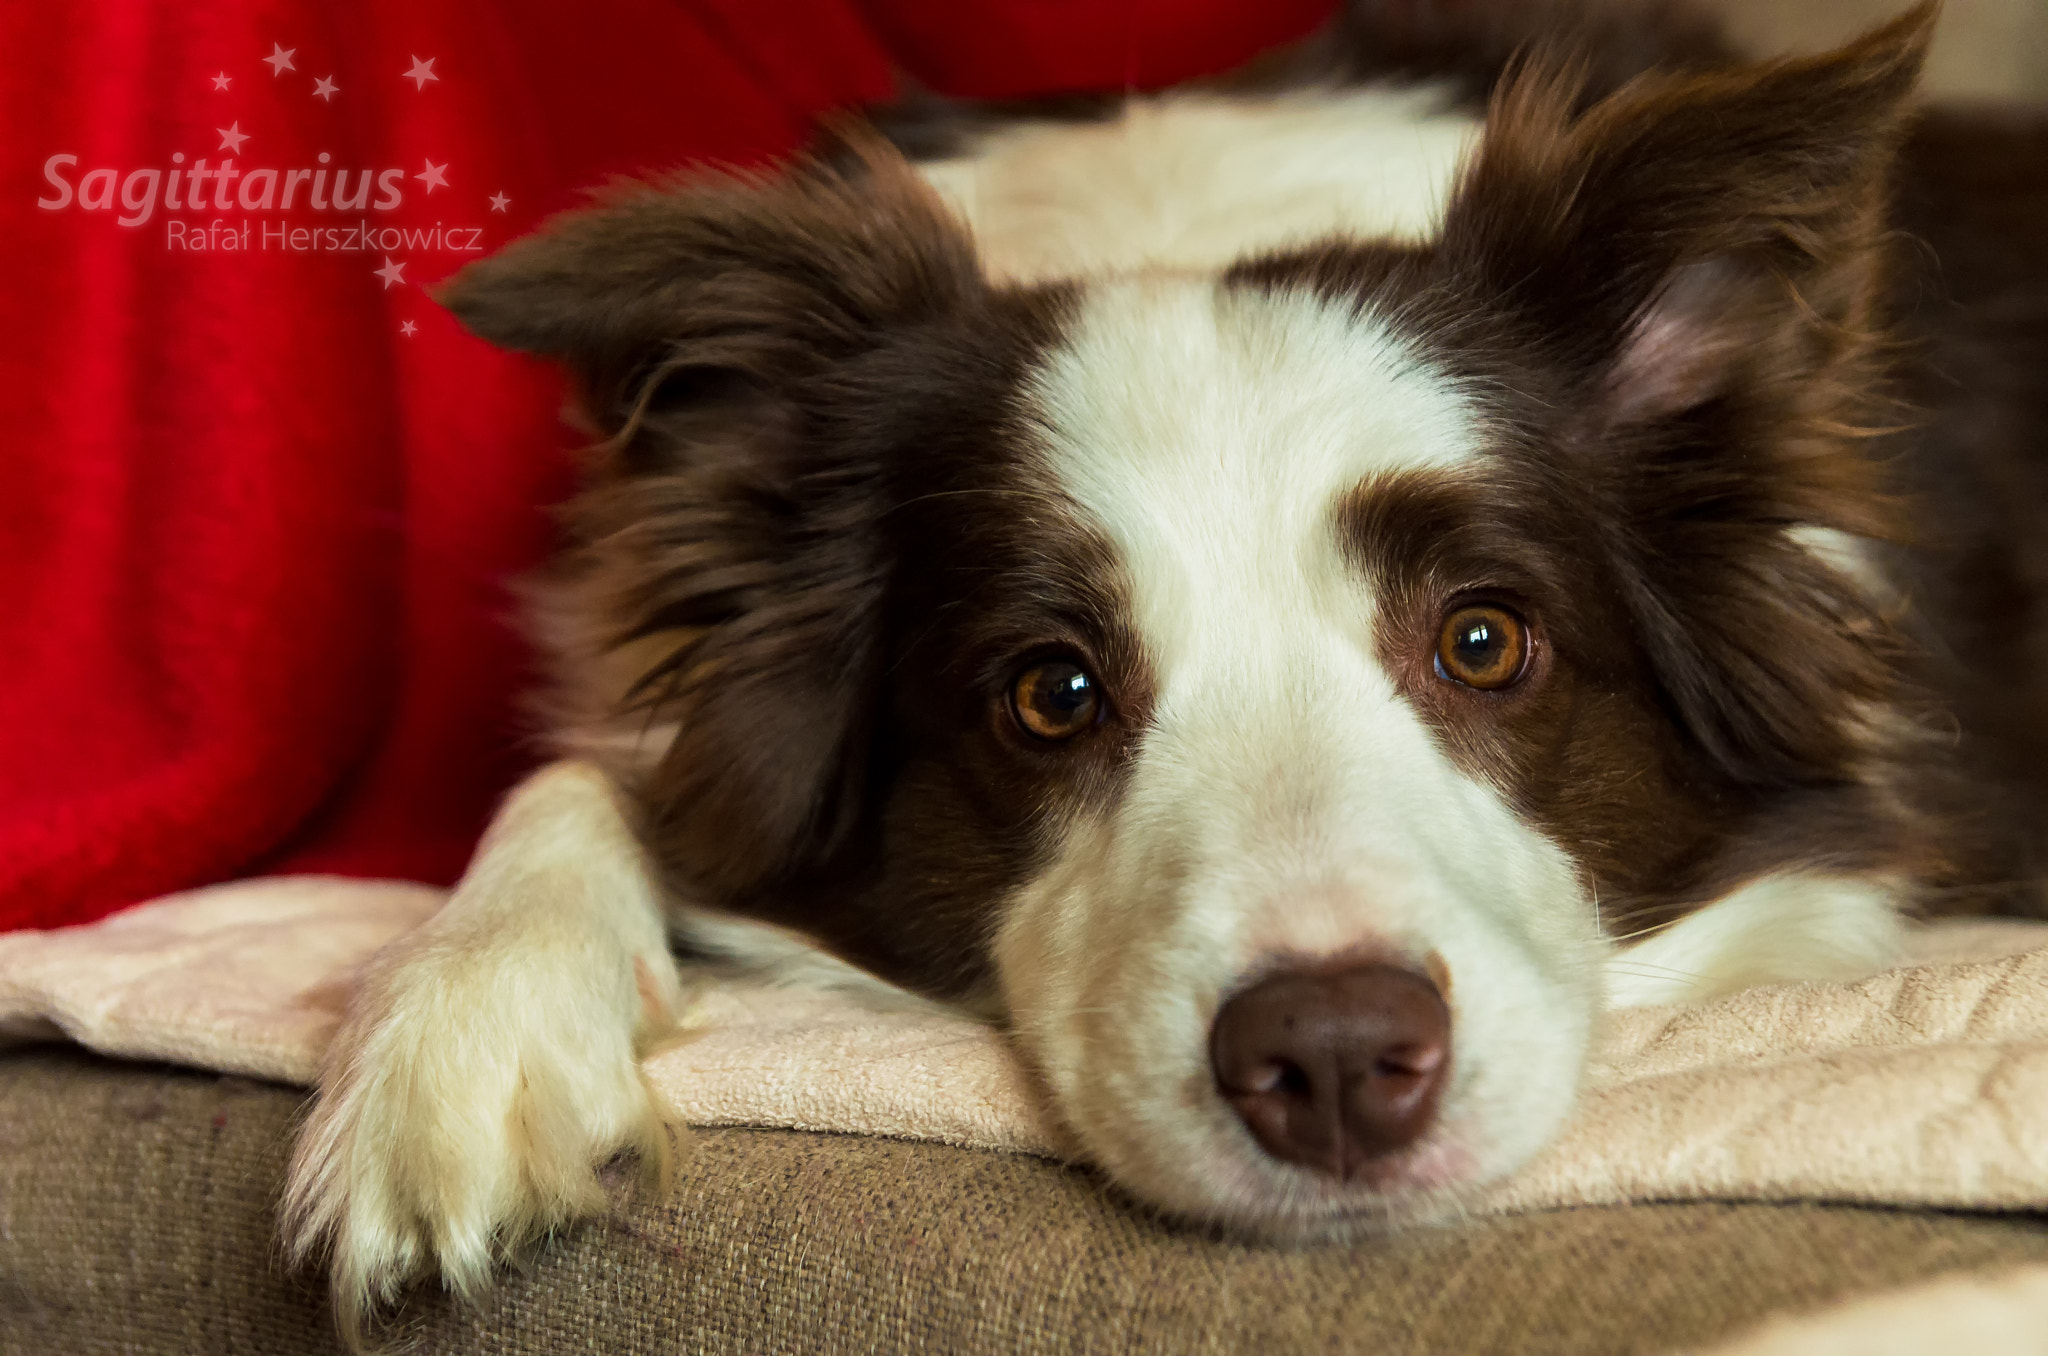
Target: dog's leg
489, 1060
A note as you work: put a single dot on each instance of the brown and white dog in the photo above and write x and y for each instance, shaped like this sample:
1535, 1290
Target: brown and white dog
1289, 597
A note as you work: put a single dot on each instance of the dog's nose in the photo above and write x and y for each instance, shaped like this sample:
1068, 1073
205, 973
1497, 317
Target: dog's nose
1333, 1070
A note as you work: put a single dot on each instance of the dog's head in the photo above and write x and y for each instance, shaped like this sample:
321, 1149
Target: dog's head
1273, 690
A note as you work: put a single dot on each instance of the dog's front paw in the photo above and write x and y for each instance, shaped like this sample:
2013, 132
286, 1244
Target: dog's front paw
466, 1104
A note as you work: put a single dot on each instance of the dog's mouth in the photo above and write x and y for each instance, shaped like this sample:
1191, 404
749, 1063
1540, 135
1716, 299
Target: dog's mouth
1328, 1102
1322, 1099
1246, 1191
1379, 1045
1356, 1186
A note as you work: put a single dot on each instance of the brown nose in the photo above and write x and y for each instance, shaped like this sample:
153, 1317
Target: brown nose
1334, 1070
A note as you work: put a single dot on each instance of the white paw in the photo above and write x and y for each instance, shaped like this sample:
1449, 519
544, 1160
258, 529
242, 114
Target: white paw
483, 1074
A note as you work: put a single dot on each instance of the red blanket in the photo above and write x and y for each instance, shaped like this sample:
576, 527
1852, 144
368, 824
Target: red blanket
260, 500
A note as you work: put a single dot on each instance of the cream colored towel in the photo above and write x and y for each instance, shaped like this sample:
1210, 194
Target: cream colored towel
2003, 1314
1922, 1086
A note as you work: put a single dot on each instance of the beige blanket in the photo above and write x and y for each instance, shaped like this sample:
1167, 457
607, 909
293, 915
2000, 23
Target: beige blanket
1924, 1086
1996, 1315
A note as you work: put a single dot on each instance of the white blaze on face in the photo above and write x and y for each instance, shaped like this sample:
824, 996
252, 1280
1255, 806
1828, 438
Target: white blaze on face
1286, 803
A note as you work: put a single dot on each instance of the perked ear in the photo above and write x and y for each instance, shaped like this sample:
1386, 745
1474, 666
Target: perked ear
1691, 226
1700, 259
729, 541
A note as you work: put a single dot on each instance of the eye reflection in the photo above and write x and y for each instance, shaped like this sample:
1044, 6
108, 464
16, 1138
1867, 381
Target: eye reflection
1483, 646
1055, 699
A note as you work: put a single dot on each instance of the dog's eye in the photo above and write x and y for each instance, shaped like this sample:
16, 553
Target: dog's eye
1055, 699
1482, 645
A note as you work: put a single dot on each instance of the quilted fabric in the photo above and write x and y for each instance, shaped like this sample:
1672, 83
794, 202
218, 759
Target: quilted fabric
1926, 1085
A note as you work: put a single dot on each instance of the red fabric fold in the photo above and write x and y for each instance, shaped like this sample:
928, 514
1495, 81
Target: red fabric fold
260, 506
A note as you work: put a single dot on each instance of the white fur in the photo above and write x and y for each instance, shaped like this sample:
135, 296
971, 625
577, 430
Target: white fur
1855, 559
1195, 182
1779, 929
490, 1060
1286, 801
763, 951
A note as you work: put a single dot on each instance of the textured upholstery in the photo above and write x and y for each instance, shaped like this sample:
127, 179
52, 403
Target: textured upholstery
135, 1217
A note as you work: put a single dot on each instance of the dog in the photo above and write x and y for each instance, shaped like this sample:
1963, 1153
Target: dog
1290, 597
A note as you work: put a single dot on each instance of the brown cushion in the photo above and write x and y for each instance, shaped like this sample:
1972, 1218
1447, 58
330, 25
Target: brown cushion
135, 1216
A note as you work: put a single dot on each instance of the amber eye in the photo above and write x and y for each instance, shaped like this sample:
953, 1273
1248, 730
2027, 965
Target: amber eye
1483, 646
1055, 699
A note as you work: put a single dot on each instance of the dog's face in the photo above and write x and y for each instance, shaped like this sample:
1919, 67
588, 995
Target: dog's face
1273, 690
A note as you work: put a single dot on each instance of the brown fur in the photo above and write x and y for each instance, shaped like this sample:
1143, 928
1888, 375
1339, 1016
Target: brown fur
818, 509
1972, 301
1670, 301
1585, 745
813, 505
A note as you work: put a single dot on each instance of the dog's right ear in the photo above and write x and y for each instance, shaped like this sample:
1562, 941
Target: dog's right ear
729, 549
706, 286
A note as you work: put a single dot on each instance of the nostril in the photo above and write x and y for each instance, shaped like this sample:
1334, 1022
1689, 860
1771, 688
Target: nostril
1335, 1069
1277, 1078
1412, 1061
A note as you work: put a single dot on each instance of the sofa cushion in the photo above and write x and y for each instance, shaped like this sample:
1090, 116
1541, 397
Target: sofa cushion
136, 1200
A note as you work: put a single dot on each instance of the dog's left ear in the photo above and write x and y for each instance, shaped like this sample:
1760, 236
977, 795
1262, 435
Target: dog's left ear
1698, 260
1690, 227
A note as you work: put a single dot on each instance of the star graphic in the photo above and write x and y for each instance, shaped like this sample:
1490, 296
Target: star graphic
232, 136
431, 175
325, 88
499, 202
390, 273
280, 59
408, 329
421, 72
223, 80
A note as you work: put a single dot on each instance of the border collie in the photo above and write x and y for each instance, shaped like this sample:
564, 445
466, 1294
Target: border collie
1289, 597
